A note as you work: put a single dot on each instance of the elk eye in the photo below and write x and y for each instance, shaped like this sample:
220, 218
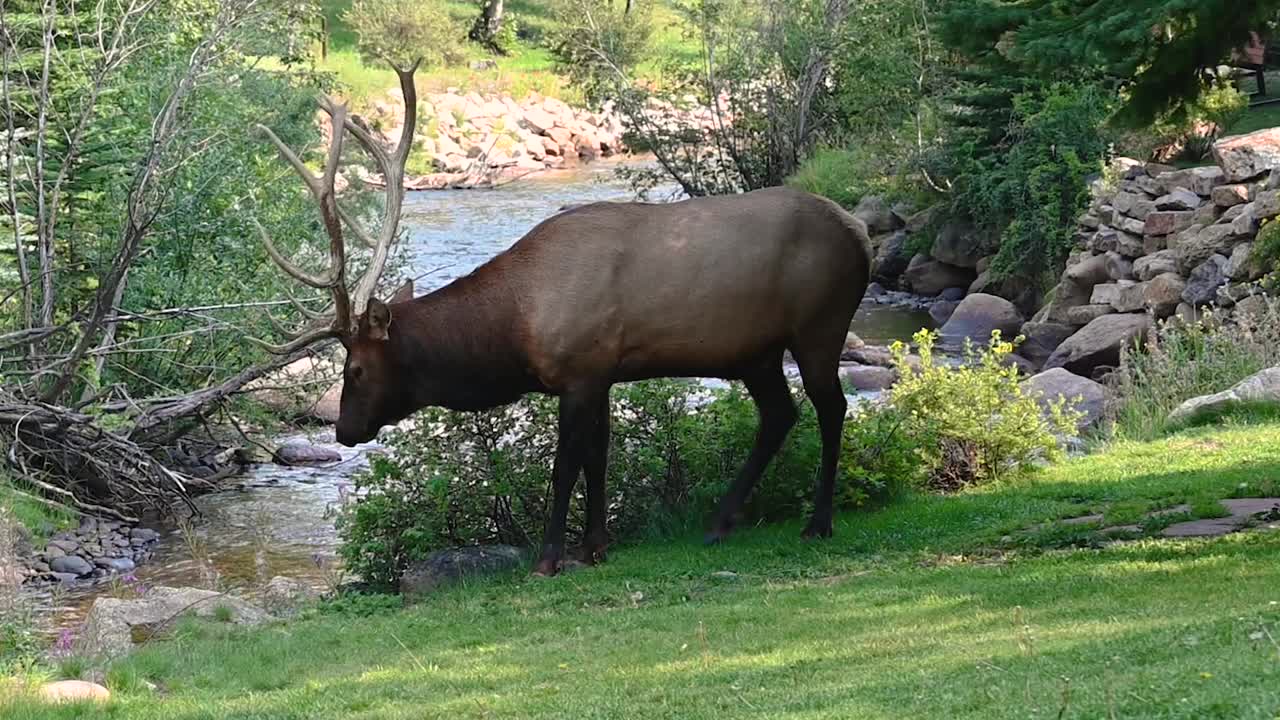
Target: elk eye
357, 372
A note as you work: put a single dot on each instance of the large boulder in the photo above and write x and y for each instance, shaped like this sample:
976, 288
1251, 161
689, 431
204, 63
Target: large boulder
444, 567
867, 377
1179, 199
1243, 267
1263, 387
1040, 339
1090, 271
1193, 249
1099, 343
1204, 281
73, 691
1242, 157
876, 213
1061, 299
1157, 263
1081, 394
892, 258
978, 316
926, 276
1230, 195
1081, 315
1199, 180
1167, 222
307, 388
114, 624
1162, 294
958, 244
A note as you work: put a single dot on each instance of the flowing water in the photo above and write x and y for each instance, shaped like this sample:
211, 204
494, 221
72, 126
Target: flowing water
278, 521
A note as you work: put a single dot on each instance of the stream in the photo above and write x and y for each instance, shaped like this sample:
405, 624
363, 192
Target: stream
277, 520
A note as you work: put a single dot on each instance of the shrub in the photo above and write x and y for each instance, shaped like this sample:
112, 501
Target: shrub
1182, 360
458, 478
401, 31
972, 421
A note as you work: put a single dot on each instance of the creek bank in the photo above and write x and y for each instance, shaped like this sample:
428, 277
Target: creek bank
473, 141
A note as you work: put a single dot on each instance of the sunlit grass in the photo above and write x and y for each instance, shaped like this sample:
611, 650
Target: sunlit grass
917, 610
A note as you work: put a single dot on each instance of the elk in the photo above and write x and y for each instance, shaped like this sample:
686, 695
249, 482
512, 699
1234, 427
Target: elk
596, 295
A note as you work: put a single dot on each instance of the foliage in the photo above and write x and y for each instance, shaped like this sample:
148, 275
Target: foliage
401, 32
19, 640
1265, 252
1161, 51
595, 41
458, 478
1028, 186
972, 421
1182, 360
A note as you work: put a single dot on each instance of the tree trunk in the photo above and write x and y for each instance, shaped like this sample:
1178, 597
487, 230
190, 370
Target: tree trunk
486, 28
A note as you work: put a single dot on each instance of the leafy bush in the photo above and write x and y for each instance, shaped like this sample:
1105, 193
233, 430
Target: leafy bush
846, 176
1182, 360
458, 478
401, 31
1029, 187
972, 421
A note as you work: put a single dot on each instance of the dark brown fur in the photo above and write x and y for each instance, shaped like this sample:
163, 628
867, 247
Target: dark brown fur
612, 292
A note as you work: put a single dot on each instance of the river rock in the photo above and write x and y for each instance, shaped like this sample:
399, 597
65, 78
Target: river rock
876, 213
1162, 294
71, 564
1064, 296
1204, 281
1228, 195
1119, 267
978, 316
1157, 263
1099, 343
867, 377
144, 534
1242, 266
1262, 387
1242, 157
940, 312
1178, 199
113, 624
892, 258
1040, 339
958, 244
1081, 394
1199, 180
1192, 250
113, 564
1167, 222
304, 453
444, 567
926, 276
1089, 271
1087, 313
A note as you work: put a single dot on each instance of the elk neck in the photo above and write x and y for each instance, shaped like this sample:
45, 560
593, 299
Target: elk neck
458, 347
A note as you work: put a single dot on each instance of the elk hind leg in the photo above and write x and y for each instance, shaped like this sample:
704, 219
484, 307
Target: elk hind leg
819, 368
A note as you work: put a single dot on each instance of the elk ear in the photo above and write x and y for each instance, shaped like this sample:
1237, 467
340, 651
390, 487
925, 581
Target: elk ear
404, 294
376, 321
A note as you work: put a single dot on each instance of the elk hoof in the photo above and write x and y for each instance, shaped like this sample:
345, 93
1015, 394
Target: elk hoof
546, 568
719, 533
590, 554
817, 529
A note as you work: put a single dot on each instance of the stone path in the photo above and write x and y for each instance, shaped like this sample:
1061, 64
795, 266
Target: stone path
1243, 513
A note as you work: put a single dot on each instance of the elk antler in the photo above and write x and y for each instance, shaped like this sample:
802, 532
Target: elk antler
346, 308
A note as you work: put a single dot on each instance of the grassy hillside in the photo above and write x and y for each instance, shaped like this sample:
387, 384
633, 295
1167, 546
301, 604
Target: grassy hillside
919, 610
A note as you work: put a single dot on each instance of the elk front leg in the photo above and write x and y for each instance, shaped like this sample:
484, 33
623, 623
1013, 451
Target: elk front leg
594, 468
575, 424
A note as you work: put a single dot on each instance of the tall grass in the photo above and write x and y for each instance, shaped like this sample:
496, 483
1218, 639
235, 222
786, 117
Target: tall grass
1182, 360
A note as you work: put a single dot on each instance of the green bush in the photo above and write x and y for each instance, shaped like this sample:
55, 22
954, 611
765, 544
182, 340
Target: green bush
972, 421
1182, 360
459, 478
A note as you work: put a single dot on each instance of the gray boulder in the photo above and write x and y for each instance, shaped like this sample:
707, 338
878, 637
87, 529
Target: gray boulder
867, 377
1263, 387
1099, 343
114, 625
1040, 339
1089, 271
1081, 394
1085, 314
958, 244
304, 453
1178, 199
926, 276
1242, 266
1199, 180
977, 316
876, 213
1202, 286
1242, 157
1194, 249
1162, 294
891, 258
1157, 263
1230, 195
444, 567
940, 312
1167, 222
71, 565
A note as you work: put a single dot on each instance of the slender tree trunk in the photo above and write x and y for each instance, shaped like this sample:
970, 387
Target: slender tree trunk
45, 240
10, 162
489, 24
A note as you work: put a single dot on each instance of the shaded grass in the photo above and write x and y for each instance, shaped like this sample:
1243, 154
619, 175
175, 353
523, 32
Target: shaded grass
906, 613
38, 518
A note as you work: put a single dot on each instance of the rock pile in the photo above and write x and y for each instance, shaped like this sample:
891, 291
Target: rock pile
475, 140
99, 548
1160, 242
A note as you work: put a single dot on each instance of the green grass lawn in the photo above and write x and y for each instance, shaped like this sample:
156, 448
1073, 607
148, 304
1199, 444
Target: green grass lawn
918, 610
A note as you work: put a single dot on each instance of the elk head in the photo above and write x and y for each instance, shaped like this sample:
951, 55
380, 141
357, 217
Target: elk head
373, 392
